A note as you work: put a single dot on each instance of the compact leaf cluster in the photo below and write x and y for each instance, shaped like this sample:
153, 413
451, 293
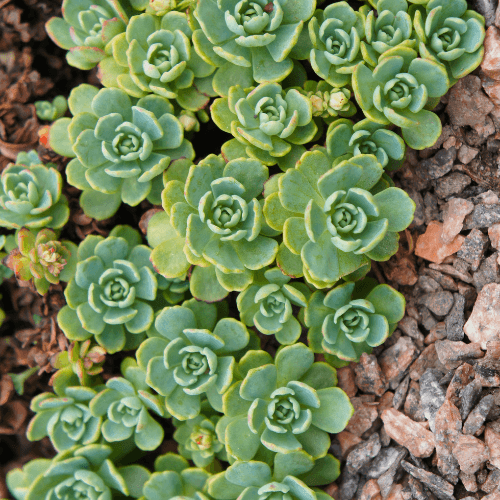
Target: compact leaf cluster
318, 105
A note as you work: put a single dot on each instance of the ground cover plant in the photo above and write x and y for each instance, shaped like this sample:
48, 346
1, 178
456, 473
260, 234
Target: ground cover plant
248, 286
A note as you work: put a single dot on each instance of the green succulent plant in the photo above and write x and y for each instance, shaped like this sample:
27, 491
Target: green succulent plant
7, 244
397, 91
125, 404
191, 120
450, 34
83, 472
390, 27
283, 405
156, 56
272, 123
173, 479
267, 305
111, 293
86, 27
50, 111
122, 146
345, 139
352, 318
42, 258
192, 356
65, 418
256, 480
161, 7
329, 102
30, 195
214, 220
336, 35
176, 290
198, 441
330, 219
251, 40
83, 360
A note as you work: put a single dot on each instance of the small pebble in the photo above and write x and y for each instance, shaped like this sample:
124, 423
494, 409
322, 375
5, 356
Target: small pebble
438, 303
455, 320
478, 415
473, 248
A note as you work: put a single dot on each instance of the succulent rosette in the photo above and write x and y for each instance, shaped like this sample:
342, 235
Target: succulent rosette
43, 258
251, 40
161, 7
83, 360
332, 223
7, 244
86, 27
215, 221
272, 123
192, 356
83, 472
398, 90
50, 111
267, 305
329, 102
284, 406
175, 290
66, 419
111, 293
389, 28
124, 405
155, 55
198, 441
336, 35
122, 146
30, 195
173, 479
345, 139
450, 34
352, 318
258, 481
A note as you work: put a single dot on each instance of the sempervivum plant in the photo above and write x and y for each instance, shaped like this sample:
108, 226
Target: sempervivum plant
82, 472
173, 479
450, 34
345, 139
7, 244
256, 480
155, 56
330, 219
30, 195
86, 27
267, 305
251, 40
110, 294
336, 35
350, 320
125, 404
192, 357
397, 91
65, 418
285, 405
43, 258
328, 102
272, 123
46, 110
215, 220
198, 441
391, 27
175, 290
83, 360
122, 146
